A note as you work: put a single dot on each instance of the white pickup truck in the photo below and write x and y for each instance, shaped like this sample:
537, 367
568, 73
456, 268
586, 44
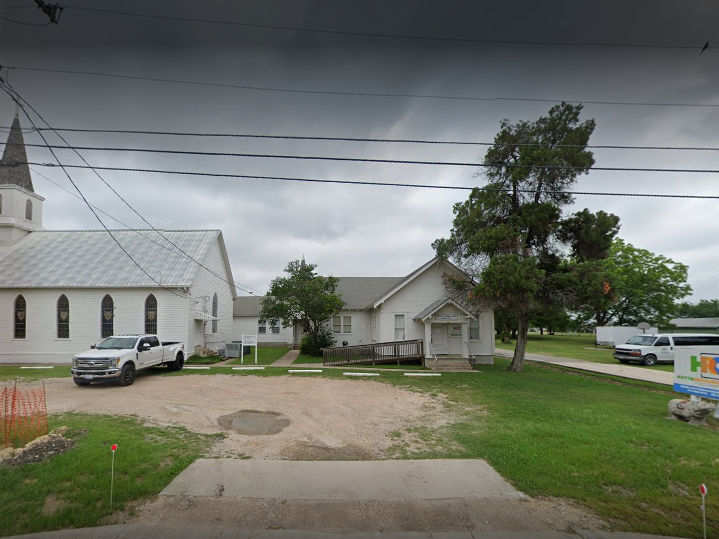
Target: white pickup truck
119, 358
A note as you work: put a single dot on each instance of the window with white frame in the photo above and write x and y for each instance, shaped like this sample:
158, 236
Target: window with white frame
341, 324
398, 327
276, 326
262, 327
374, 321
474, 329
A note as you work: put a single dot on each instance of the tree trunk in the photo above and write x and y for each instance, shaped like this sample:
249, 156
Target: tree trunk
541, 331
521, 346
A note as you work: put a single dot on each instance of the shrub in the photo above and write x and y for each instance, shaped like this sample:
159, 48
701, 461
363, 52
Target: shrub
313, 347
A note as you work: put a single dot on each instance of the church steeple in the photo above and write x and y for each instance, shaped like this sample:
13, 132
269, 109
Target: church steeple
14, 169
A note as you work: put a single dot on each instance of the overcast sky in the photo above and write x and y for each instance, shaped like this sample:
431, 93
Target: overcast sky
500, 52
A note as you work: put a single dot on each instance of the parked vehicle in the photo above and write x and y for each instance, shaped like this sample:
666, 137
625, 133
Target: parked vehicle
120, 357
652, 349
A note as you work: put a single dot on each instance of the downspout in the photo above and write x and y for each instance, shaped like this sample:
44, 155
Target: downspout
187, 320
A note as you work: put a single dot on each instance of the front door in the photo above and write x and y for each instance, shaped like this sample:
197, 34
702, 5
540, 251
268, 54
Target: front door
438, 338
298, 333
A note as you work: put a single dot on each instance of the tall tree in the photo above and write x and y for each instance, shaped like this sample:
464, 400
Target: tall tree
511, 232
303, 297
644, 288
706, 308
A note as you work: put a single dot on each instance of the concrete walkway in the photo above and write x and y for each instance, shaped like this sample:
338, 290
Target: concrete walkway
287, 359
623, 371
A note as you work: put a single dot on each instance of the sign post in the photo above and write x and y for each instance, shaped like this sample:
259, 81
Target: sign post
703, 492
248, 340
112, 472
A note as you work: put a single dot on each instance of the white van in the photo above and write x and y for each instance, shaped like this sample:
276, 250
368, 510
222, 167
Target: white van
652, 349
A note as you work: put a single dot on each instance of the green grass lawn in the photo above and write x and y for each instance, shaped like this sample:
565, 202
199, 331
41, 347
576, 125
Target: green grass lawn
601, 441
27, 375
72, 489
575, 346
266, 355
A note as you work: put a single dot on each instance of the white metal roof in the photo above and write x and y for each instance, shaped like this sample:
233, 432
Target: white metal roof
91, 259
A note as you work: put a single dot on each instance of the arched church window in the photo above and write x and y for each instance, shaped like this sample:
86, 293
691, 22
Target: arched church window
107, 316
151, 314
28, 210
63, 317
20, 318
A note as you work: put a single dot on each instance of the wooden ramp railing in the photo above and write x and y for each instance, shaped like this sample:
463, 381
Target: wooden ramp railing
372, 354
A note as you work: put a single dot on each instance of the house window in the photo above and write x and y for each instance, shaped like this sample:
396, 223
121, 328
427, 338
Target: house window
28, 210
63, 317
474, 329
262, 328
107, 317
374, 321
20, 317
276, 326
398, 327
341, 324
214, 313
151, 314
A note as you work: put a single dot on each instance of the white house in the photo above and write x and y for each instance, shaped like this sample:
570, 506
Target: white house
61, 291
385, 309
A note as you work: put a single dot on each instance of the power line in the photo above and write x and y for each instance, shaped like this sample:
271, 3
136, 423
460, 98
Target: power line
242, 287
372, 160
360, 139
376, 184
363, 94
18, 98
25, 23
388, 36
118, 195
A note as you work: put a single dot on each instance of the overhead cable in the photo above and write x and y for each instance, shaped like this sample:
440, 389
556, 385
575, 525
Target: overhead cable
367, 183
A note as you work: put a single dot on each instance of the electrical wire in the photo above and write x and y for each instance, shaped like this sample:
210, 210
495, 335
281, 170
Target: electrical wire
26, 23
374, 160
242, 287
376, 184
120, 197
386, 36
18, 98
362, 94
359, 139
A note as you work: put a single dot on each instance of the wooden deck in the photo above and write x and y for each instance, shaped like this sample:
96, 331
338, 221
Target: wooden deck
373, 354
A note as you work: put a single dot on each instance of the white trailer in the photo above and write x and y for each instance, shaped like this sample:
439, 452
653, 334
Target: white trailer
613, 335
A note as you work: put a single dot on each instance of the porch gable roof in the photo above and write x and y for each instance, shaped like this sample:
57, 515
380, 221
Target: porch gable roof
437, 305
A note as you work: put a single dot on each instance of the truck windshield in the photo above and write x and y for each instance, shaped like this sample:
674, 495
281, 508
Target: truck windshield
117, 343
642, 340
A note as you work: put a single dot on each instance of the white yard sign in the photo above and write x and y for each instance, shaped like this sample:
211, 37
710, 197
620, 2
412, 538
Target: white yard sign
248, 340
696, 372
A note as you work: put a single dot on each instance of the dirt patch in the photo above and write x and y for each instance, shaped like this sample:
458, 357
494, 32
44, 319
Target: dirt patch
358, 415
38, 449
253, 422
52, 504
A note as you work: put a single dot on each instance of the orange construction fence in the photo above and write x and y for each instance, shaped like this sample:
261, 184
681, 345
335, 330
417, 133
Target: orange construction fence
23, 415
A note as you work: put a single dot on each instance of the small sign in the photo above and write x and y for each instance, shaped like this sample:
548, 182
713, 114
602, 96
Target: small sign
696, 372
249, 340
455, 331
703, 489
446, 317
114, 447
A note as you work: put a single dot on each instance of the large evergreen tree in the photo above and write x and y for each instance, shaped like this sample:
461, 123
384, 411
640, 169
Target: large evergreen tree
512, 233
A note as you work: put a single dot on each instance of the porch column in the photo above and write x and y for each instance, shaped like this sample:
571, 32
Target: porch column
428, 338
465, 338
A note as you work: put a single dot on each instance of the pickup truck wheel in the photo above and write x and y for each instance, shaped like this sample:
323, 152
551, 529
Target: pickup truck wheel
81, 382
127, 375
650, 360
179, 363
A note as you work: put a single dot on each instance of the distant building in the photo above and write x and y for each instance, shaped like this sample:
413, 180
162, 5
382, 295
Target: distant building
61, 291
384, 309
693, 325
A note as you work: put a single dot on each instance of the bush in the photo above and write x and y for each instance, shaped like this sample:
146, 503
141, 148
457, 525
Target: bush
325, 339
194, 359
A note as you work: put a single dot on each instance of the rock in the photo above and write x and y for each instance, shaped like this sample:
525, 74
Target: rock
691, 412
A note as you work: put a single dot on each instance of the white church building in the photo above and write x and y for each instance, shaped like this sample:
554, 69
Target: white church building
61, 291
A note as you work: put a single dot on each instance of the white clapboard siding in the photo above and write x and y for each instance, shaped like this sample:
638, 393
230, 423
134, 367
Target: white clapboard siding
249, 325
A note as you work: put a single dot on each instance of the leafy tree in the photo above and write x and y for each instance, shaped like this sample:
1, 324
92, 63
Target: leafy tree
644, 287
511, 234
305, 298
706, 308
